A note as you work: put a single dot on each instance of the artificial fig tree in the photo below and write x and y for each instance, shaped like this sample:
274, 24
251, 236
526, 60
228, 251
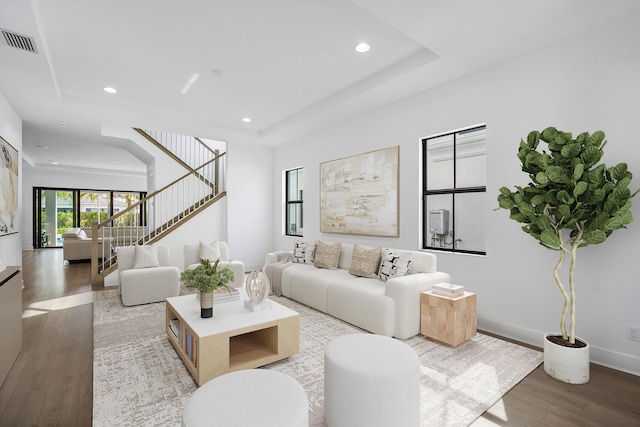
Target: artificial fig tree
572, 200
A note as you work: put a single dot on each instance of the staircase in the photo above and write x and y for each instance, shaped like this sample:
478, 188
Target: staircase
166, 209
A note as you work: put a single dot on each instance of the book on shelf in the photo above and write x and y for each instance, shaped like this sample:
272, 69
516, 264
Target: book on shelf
174, 326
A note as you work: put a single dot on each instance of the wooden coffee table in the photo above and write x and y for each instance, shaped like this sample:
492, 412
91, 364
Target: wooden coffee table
233, 339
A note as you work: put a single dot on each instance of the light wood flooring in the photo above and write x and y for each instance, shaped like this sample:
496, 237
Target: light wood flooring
51, 382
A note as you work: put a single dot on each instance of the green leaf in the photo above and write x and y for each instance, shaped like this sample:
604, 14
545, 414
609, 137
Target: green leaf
533, 139
537, 200
563, 213
619, 171
549, 238
580, 188
505, 202
614, 223
565, 197
578, 171
594, 237
591, 155
571, 150
506, 191
554, 173
541, 178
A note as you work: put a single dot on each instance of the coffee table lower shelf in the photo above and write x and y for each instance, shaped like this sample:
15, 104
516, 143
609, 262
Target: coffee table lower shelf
208, 356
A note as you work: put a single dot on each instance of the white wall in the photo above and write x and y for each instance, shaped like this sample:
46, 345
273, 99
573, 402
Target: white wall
11, 131
583, 84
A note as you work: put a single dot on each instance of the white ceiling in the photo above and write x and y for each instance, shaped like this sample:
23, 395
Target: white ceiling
287, 64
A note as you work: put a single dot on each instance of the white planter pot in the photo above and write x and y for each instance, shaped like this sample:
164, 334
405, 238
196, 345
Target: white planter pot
570, 365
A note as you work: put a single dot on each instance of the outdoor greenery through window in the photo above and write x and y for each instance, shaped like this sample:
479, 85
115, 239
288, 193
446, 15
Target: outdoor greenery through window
57, 210
293, 204
454, 190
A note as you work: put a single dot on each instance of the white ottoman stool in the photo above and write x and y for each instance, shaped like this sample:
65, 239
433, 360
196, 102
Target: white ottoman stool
371, 380
252, 397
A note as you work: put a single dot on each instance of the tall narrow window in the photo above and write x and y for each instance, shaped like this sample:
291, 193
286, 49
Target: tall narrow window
454, 189
293, 204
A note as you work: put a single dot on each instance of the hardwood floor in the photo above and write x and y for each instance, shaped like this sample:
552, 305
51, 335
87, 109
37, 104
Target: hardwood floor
51, 382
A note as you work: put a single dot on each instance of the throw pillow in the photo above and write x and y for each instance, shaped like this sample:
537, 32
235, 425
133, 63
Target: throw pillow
304, 251
394, 264
146, 256
327, 255
365, 262
82, 235
208, 251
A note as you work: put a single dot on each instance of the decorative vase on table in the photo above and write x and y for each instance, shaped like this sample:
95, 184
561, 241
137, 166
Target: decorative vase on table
257, 287
206, 304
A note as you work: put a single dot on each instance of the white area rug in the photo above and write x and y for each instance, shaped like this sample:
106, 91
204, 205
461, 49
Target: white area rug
138, 379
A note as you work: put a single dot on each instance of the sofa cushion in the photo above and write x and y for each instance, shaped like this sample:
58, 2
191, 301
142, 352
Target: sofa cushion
394, 264
304, 252
327, 255
146, 256
309, 286
365, 261
363, 303
208, 251
71, 233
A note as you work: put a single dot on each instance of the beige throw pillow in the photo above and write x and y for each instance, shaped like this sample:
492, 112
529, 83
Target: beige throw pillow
146, 257
365, 262
327, 255
208, 251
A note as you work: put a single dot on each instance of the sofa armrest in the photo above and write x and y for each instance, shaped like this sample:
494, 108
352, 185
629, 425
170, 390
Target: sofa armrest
274, 257
405, 293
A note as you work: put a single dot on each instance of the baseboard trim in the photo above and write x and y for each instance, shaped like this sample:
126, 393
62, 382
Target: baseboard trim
598, 355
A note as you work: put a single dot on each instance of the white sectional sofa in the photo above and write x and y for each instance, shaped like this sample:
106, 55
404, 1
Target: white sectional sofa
390, 308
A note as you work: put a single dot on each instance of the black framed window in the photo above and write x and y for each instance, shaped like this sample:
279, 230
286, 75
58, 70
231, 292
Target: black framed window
293, 202
454, 191
57, 209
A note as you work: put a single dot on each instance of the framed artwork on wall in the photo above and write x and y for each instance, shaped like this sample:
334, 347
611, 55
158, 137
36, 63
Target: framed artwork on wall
8, 189
359, 194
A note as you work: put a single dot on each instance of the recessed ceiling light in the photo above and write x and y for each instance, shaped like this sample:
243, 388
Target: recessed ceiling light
110, 89
63, 124
217, 72
41, 146
362, 47
53, 162
246, 120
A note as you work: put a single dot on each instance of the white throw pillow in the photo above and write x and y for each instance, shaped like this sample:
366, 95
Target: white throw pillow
394, 264
82, 235
146, 256
208, 251
304, 252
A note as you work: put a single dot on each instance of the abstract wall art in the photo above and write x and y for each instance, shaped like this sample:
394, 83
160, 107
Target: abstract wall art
359, 194
8, 189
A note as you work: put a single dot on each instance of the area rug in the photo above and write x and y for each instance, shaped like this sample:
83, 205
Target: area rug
138, 379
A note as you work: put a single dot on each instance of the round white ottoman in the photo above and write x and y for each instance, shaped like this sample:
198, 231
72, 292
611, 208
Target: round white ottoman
252, 397
371, 380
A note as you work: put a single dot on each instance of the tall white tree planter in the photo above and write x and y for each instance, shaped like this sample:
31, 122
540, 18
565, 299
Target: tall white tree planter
566, 364
571, 201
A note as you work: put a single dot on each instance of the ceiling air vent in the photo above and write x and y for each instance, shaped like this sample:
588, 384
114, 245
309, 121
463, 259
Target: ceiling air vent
18, 41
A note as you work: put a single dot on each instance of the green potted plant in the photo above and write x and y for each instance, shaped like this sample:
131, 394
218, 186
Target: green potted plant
571, 201
207, 278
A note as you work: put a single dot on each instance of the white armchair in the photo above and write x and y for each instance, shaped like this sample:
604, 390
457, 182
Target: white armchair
193, 252
145, 274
